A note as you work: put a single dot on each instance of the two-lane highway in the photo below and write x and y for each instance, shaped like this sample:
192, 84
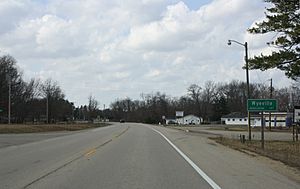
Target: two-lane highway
118, 156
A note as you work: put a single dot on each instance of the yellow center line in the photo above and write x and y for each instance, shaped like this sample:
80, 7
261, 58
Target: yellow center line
90, 152
93, 150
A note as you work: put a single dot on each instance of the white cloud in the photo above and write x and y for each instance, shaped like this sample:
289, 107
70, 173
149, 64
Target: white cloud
12, 12
120, 48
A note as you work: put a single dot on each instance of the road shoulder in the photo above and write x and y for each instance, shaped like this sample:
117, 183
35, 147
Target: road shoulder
231, 168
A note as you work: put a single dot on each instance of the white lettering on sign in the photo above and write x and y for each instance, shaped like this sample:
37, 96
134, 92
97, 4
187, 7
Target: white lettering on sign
267, 103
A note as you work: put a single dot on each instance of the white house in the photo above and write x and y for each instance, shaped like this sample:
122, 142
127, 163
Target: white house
189, 120
235, 118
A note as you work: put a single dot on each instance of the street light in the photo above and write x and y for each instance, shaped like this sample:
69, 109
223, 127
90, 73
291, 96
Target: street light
245, 45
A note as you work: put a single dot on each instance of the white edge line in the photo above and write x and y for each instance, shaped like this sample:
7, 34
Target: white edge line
197, 169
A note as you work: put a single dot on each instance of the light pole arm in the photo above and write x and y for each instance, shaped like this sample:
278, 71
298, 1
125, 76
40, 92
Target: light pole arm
234, 41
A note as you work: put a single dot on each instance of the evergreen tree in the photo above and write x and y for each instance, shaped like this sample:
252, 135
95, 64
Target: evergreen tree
283, 19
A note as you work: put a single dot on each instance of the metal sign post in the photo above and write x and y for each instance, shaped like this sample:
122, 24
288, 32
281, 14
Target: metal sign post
262, 105
262, 131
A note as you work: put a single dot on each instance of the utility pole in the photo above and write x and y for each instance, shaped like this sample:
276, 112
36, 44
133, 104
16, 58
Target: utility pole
104, 113
8, 78
47, 109
9, 98
271, 90
248, 87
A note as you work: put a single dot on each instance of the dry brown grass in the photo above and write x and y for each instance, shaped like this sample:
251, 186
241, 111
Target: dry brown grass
21, 128
287, 152
245, 128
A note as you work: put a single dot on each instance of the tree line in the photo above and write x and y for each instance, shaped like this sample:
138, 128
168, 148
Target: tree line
211, 102
44, 101
36, 100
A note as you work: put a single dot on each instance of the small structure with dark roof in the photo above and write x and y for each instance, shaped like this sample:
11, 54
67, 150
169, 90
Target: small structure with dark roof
235, 118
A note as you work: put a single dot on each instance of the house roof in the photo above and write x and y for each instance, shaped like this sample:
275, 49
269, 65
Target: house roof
235, 115
170, 118
192, 115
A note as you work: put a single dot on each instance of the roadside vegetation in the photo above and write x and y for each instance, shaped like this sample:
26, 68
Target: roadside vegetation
211, 102
287, 152
23, 128
37, 101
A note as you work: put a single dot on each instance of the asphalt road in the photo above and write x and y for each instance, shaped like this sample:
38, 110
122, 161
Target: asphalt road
132, 155
118, 156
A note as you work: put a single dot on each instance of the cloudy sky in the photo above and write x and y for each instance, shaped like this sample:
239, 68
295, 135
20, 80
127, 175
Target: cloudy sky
116, 48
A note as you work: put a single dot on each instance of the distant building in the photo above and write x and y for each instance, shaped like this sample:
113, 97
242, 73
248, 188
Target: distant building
170, 121
278, 119
235, 118
189, 120
186, 120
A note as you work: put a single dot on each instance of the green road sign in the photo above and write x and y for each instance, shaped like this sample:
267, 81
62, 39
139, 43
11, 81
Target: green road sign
1, 110
258, 105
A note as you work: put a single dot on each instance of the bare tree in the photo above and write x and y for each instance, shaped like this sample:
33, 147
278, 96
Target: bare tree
194, 91
51, 89
51, 92
32, 89
93, 103
92, 107
208, 95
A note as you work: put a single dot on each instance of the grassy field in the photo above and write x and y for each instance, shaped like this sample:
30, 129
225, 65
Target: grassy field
287, 152
22, 128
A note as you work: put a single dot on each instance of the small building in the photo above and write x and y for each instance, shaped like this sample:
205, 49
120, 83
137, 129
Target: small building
235, 118
189, 120
278, 119
170, 121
